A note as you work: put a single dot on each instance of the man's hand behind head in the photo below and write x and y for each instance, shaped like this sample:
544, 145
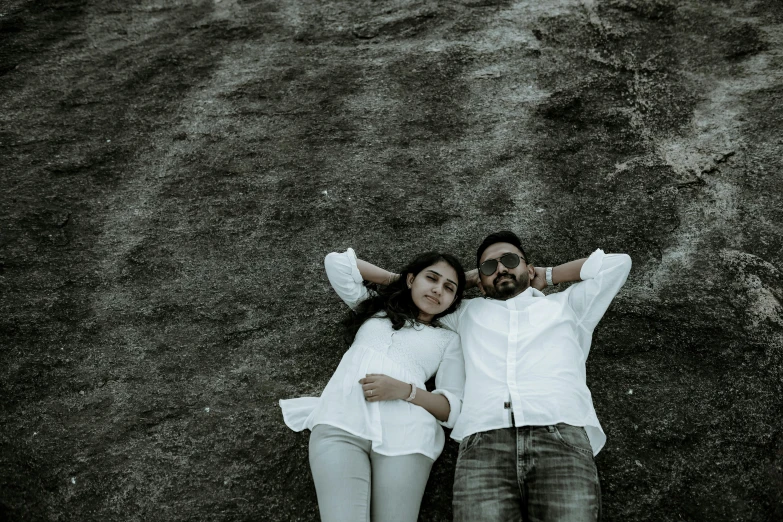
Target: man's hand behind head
539, 280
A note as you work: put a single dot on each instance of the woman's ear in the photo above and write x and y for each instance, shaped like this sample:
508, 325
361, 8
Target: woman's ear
410, 280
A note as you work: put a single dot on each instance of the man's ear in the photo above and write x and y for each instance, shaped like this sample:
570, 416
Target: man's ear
481, 288
410, 280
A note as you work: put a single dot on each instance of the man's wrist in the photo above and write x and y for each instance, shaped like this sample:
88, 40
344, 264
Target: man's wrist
549, 281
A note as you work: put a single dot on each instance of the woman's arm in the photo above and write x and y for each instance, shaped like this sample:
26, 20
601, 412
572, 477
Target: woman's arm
346, 273
438, 405
378, 387
450, 380
375, 274
344, 276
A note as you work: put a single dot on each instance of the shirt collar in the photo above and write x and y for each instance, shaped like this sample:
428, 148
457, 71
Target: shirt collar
522, 298
529, 293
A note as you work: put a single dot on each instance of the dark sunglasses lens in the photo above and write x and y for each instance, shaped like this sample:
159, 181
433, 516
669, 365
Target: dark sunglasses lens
488, 267
510, 260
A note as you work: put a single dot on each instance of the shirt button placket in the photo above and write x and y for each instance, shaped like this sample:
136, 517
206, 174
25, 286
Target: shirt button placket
511, 361
391, 340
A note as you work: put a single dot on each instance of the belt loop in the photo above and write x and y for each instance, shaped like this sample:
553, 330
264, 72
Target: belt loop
550, 429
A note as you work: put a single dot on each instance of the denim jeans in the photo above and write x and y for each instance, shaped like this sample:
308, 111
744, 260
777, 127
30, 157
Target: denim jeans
529, 473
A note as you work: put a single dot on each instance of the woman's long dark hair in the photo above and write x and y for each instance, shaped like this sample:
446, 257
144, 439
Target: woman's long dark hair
395, 299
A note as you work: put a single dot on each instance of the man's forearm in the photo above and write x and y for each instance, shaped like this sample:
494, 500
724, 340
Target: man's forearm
568, 272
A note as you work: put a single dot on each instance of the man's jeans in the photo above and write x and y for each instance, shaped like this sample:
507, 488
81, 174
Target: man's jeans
530, 473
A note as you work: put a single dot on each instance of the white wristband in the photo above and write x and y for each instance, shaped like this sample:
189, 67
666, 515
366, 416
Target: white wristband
549, 277
413, 393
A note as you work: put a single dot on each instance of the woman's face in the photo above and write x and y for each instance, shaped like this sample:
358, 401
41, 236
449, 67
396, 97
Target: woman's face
433, 289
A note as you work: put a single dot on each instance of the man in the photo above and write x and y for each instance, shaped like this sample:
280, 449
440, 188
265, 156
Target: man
528, 429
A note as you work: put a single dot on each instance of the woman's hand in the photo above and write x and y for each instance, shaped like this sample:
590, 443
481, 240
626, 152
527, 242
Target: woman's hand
379, 387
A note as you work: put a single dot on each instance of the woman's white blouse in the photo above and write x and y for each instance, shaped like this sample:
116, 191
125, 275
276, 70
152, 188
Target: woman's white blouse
410, 354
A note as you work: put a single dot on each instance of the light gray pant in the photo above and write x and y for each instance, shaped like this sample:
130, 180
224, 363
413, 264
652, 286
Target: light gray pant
353, 482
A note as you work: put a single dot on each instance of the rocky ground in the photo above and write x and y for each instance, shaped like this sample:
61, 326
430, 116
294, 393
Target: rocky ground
173, 173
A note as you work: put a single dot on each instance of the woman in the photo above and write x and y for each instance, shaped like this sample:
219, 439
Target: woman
376, 429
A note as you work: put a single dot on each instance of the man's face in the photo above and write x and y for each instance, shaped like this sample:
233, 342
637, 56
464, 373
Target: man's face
504, 283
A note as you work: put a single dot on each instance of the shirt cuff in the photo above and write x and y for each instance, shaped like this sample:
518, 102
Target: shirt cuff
592, 266
455, 405
357, 276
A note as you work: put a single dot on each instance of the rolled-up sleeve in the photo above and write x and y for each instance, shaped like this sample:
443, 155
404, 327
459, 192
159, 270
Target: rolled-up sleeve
345, 278
450, 380
603, 275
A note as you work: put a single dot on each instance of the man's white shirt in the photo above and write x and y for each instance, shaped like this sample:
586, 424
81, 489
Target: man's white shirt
530, 351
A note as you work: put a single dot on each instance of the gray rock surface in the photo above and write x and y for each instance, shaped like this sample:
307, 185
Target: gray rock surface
173, 173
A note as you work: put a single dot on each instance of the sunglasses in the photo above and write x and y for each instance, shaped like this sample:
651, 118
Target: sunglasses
509, 260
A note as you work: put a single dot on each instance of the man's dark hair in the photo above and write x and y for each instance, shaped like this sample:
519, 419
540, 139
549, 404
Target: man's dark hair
504, 236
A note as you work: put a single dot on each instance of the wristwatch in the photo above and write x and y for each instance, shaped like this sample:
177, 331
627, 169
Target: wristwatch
549, 277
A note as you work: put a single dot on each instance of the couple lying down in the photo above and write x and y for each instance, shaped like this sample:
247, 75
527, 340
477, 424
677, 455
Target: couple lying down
509, 379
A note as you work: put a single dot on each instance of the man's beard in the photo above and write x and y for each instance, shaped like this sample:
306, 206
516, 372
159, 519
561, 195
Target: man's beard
507, 291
